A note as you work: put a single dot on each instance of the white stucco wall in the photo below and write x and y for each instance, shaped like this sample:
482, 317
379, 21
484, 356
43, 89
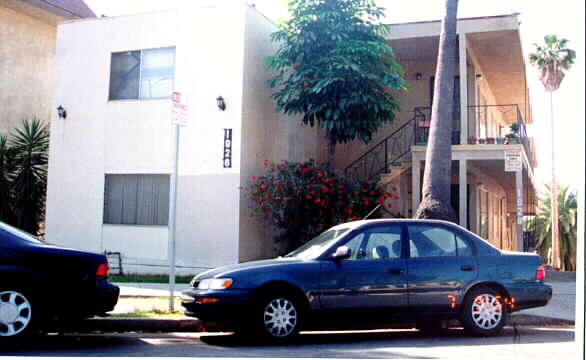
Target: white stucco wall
135, 136
266, 135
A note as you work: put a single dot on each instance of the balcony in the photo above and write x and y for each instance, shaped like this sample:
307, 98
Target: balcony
487, 124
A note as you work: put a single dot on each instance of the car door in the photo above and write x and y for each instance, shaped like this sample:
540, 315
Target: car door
441, 264
374, 275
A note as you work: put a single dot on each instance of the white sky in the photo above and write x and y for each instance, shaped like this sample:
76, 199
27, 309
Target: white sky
565, 18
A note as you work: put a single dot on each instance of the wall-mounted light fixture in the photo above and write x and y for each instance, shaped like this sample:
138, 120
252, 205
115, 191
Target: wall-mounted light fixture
221, 103
61, 112
418, 76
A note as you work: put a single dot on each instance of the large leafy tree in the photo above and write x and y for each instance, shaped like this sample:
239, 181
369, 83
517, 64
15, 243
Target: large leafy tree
552, 59
568, 210
335, 68
435, 202
23, 175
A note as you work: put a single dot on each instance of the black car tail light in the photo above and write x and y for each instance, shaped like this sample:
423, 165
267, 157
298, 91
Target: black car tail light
540, 273
103, 271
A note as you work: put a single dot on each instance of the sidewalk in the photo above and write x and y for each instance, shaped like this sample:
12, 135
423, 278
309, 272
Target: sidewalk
559, 312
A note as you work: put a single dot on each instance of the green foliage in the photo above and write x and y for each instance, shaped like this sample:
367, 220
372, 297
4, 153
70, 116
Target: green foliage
552, 59
334, 67
305, 198
23, 176
568, 209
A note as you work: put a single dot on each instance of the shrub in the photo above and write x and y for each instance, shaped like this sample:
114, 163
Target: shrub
302, 199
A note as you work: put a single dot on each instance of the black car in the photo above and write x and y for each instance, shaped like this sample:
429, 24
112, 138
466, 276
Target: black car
40, 283
374, 271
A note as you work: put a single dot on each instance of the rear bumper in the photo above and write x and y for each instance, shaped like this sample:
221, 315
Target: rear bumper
528, 296
90, 301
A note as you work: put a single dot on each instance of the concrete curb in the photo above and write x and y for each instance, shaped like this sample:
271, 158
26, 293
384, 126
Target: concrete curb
187, 324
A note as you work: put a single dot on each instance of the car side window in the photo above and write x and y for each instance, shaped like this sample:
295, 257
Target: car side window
429, 241
376, 244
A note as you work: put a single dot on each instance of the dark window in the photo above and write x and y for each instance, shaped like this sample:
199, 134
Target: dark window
142, 74
136, 199
428, 240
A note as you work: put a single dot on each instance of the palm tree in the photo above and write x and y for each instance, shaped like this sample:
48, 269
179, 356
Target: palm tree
6, 171
551, 60
30, 146
435, 202
568, 217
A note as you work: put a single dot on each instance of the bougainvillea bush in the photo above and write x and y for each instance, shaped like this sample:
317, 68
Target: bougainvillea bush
302, 199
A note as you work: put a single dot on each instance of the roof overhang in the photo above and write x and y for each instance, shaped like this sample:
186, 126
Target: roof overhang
494, 42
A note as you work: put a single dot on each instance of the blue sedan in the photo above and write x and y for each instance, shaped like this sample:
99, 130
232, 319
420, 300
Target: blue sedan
374, 271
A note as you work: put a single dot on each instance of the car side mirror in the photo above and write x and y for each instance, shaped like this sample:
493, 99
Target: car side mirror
342, 252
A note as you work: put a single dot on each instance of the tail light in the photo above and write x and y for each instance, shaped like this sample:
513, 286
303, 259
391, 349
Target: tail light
540, 273
103, 271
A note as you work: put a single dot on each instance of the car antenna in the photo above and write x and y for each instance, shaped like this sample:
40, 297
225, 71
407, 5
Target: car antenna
373, 210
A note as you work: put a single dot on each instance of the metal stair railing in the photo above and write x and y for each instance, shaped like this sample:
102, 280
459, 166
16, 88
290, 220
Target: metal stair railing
378, 159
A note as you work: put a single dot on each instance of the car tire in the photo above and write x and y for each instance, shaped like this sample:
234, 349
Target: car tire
484, 312
18, 315
278, 316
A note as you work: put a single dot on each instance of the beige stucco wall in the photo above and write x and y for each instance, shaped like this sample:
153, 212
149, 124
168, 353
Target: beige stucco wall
266, 134
27, 61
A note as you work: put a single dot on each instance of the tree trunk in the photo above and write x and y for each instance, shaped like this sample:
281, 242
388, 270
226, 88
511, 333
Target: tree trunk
332, 156
555, 216
436, 200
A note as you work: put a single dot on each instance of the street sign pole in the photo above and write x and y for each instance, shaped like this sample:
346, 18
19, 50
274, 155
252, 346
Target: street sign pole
179, 118
172, 220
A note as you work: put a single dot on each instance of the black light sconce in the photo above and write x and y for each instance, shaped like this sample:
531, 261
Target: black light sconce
61, 112
221, 103
418, 76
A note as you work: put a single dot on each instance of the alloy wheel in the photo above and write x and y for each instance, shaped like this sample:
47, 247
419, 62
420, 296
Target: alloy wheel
15, 313
280, 317
487, 311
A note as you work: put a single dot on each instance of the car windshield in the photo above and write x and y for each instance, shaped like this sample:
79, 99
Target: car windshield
318, 244
19, 233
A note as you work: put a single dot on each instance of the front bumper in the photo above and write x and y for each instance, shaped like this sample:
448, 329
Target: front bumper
223, 306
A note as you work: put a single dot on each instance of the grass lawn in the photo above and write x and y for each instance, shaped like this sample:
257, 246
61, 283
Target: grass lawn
161, 279
148, 306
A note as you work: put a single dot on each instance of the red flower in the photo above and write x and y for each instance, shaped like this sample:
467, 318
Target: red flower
263, 186
254, 178
275, 182
285, 198
283, 182
265, 163
394, 189
320, 174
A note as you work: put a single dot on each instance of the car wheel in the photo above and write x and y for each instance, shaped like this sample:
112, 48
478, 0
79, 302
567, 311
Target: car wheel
484, 312
16, 313
280, 316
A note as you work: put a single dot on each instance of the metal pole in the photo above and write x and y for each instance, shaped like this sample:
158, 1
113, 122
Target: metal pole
172, 220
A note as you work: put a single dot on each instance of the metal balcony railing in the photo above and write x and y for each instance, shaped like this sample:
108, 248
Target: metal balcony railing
486, 125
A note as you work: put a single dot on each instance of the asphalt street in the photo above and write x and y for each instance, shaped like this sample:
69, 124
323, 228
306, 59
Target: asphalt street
521, 343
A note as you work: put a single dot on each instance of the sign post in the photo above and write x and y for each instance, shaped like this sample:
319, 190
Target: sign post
178, 118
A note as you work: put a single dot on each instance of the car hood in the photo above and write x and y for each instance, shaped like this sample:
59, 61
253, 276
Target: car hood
229, 269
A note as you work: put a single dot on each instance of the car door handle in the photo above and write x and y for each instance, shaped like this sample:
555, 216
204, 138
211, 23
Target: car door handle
467, 268
396, 271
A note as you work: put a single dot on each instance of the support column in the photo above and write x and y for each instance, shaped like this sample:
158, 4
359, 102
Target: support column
519, 209
463, 67
463, 195
415, 184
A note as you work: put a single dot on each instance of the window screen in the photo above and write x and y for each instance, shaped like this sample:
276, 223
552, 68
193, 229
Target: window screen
142, 74
136, 199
